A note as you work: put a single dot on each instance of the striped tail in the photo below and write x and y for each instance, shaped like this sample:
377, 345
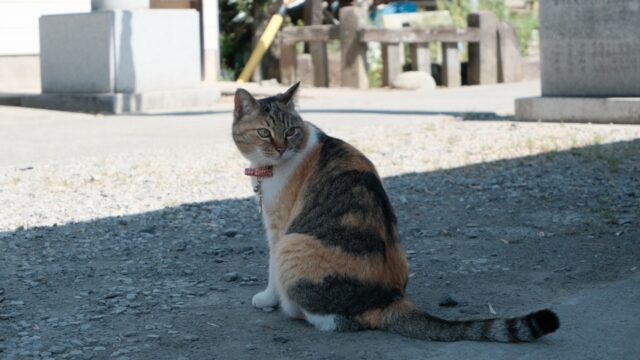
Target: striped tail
411, 322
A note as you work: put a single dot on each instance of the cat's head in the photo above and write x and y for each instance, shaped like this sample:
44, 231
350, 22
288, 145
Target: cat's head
268, 131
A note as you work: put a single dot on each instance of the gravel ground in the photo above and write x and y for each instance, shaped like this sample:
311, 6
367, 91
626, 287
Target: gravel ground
156, 254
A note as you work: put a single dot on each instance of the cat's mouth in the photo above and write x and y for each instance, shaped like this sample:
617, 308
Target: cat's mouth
279, 158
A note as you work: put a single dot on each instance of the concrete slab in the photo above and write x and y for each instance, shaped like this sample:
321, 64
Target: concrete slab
201, 98
579, 109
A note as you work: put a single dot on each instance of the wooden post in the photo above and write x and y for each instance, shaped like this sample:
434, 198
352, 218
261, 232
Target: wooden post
391, 65
318, 49
483, 55
451, 76
288, 63
352, 51
420, 59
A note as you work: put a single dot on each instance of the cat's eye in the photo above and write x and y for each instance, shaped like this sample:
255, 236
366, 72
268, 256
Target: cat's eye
290, 132
264, 133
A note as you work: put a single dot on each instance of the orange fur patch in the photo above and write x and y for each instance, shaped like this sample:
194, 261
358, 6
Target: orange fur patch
302, 256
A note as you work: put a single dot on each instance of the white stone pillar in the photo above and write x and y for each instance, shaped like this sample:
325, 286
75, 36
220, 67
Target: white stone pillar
99, 5
211, 43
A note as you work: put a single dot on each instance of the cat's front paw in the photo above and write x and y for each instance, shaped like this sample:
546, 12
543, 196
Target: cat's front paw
265, 299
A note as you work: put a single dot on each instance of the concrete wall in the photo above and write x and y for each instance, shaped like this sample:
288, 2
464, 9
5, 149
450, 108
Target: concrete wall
19, 22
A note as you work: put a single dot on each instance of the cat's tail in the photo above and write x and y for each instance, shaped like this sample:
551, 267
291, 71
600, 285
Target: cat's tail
405, 319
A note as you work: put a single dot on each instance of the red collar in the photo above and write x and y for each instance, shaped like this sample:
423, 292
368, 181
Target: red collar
261, 172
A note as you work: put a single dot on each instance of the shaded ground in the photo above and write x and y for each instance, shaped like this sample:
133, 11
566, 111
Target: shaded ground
520, 234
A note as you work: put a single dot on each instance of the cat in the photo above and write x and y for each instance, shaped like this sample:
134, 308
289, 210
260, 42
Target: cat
335, 257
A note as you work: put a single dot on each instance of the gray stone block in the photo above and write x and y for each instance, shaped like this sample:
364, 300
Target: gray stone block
73, 60
590, 48
624, 110
120, 51
509, 59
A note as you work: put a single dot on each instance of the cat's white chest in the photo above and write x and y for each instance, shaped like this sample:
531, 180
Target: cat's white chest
270, 188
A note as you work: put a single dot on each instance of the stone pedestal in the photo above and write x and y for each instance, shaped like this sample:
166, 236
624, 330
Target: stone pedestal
590, 63
109, 61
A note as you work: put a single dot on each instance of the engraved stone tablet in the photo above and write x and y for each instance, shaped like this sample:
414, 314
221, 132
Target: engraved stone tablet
590, 47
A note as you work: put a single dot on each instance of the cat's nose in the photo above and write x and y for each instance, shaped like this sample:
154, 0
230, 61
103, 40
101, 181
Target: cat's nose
280, 150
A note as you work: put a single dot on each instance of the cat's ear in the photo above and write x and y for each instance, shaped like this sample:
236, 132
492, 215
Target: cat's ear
244, 103
289, 96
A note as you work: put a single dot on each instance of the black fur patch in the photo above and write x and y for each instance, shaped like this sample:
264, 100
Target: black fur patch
485, 333
332, 149
546, 320
512, 330
533, 327
330, 196
342, 295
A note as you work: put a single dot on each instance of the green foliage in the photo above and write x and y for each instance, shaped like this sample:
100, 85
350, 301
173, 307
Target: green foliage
374, 65
238, 24
525, 26
459, 9
525, 23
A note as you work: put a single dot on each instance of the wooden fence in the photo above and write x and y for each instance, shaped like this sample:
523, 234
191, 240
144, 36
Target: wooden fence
353, 34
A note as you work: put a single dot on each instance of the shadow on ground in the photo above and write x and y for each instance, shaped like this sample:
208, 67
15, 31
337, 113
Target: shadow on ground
516, 233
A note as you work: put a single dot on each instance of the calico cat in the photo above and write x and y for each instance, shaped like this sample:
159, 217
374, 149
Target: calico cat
335, 257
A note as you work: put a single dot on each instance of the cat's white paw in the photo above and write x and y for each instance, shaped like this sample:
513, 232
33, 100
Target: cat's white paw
265, 299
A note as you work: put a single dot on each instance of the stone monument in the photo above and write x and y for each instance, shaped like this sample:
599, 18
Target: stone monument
121, 57
590, 63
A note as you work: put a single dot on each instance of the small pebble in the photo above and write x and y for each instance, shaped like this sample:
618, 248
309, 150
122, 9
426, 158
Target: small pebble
281, 339
231, 276
57, 349
76, 342
230, 233
250, 347
112, 295
190, 337
448, 301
